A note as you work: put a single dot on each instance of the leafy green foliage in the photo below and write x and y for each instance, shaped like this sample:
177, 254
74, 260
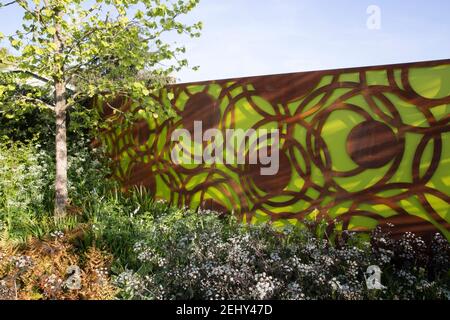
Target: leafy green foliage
20, 94
26, 186
23, 180
102, 48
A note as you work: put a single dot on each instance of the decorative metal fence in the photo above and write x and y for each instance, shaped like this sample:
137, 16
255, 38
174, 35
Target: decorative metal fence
358, 147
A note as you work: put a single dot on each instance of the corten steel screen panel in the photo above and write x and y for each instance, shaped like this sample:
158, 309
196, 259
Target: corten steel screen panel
362, 146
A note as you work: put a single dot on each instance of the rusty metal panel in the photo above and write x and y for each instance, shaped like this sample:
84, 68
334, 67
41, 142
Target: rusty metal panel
360, 146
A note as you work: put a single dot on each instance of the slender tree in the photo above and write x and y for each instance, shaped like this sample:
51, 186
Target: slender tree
82, 49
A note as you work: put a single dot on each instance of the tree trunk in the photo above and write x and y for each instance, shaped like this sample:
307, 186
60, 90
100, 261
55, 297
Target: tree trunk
61, 193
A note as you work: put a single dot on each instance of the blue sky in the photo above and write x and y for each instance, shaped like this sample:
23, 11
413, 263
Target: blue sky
254, 37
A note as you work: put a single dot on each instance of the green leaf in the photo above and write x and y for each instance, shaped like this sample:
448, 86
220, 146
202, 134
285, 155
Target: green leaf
47, 12
52, 45
28, 49
138, 85
139, 14
51, 30
16, 43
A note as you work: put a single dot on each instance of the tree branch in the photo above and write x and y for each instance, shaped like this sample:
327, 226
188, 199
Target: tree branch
7, 4
36, 101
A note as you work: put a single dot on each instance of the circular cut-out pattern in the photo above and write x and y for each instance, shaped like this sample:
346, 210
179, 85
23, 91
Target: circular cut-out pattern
272, 184
372, 144
200, 107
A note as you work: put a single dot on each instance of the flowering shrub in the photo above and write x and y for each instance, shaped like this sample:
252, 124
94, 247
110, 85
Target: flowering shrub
23, 177
27, 174
183, 255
